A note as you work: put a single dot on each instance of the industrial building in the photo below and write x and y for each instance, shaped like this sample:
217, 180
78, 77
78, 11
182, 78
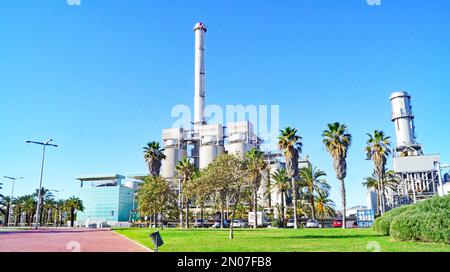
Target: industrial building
203, 142
419, 174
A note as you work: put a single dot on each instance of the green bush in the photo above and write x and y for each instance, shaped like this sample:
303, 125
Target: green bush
383, 224
427, 221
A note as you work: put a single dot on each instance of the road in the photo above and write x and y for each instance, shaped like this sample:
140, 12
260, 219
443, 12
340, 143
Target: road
67, 240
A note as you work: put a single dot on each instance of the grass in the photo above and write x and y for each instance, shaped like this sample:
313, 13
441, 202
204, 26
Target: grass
277, 240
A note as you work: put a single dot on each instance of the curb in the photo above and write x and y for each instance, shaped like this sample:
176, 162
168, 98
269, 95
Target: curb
139, 244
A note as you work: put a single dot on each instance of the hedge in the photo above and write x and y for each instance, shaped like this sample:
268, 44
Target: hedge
383, 224
427, 221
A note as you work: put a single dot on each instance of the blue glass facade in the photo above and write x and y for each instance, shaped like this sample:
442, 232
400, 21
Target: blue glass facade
106, 203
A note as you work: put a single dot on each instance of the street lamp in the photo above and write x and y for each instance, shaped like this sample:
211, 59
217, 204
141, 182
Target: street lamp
12, 196
44, 145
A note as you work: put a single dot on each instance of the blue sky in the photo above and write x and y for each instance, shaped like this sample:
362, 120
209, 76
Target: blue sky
102, 78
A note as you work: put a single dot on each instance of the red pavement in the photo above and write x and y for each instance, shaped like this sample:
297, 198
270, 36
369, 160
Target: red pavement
67, 240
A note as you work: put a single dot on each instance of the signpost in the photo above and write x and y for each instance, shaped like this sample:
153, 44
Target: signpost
157, 240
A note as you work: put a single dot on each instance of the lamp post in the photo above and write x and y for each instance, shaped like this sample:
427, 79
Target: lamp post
44, 145
12, 196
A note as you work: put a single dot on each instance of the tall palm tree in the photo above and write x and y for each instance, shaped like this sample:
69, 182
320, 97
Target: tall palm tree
185, 171
337, 142
73, 204
291, 145
255, 166
153, 155
282, 182
312, 179
378, 150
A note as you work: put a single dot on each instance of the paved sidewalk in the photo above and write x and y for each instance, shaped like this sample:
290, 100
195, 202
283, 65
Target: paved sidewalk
67, 240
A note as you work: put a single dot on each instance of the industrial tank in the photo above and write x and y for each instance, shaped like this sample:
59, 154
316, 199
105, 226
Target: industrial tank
240, 138
174, 150
211, 143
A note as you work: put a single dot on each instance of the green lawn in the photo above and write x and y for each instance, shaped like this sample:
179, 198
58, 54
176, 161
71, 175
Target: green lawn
277, 240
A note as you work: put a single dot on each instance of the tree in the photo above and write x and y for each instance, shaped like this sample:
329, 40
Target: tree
153, 197
311, 179
73, 205
283, 185
5, 207
226, 178
198, 190
256, 164
325, 207
378, 150
371, 183
186, 172
337, 142
153, 155
46, 195
291, 146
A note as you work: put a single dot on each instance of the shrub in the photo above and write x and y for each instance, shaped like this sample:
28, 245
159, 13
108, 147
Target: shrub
383, 224
427, 221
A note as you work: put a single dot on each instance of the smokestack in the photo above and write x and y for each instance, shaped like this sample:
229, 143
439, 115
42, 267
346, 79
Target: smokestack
199, 99
403, 118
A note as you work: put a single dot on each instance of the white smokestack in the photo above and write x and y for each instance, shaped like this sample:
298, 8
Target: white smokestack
403, 118
199, 99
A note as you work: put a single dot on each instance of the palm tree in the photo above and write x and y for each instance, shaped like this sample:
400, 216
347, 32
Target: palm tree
290, 143
255, 166
371, 183
378, 150
46, 195
4, 207
153, 155
282, 183
6, 203
28, 204
324, 205
311, 179
73, 204
186, 171
337, 142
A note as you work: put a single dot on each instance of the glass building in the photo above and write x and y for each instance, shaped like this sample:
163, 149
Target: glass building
106, 198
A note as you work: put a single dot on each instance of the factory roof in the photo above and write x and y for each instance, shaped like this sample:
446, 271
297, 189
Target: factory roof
100, 177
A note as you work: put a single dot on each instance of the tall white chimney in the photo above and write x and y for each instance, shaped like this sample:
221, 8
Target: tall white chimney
403, 118
199, 99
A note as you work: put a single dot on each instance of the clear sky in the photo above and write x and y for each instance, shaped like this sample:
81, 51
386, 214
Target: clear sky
102, 78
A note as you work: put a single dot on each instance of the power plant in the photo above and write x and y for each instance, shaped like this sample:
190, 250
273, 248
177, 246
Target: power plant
419, 174
203, 142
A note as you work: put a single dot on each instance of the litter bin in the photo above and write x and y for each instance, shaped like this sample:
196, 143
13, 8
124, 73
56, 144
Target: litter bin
157, 240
